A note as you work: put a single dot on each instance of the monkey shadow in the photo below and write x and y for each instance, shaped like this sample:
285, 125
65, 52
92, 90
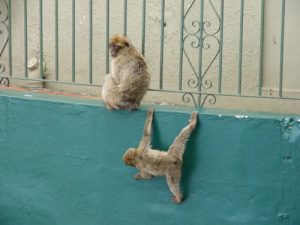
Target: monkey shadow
190, 158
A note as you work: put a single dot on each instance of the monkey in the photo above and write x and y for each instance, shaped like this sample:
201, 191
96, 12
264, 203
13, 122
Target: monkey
129, 80
151, 162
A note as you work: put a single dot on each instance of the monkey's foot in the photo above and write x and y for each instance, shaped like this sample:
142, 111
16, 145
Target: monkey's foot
177, 199
128, 106
140, 176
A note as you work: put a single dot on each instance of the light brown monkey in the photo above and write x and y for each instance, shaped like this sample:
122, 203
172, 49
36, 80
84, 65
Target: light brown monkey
152, 162
128, 82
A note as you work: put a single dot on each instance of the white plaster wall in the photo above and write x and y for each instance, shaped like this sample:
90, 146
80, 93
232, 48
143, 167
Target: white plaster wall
251, 43
291, 46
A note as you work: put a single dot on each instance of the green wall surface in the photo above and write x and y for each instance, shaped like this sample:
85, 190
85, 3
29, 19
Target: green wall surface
61, 164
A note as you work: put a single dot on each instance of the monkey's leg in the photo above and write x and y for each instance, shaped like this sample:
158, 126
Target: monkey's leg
174, 186
142, 175
178, 146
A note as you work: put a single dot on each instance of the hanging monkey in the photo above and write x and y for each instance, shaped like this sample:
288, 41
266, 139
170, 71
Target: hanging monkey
151, 162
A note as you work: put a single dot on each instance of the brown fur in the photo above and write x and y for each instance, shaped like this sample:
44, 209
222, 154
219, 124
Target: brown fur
129, 80
110, 93
151, 162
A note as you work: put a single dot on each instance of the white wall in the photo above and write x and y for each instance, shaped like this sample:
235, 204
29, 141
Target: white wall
251, 43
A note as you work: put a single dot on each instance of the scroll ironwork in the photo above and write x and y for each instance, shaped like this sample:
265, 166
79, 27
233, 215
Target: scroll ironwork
4, 37
200, 36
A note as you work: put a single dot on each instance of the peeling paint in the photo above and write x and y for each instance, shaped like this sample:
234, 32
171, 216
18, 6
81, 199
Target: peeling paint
241, 117
290, 129
283, 216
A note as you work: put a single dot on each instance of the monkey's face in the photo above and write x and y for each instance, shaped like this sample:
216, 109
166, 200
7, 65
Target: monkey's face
117, 43
114, 50
129, 157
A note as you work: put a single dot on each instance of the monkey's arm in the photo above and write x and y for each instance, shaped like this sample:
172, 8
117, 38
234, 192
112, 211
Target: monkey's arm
178, 146
146, 139
125, 83
131, 80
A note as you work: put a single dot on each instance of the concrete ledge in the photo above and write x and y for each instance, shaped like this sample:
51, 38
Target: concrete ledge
61, 163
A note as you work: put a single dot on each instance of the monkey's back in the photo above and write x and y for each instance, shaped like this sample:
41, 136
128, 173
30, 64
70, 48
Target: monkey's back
133, 75
157, 163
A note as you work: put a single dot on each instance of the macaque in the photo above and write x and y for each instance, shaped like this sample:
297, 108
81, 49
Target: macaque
128, 82
151, 162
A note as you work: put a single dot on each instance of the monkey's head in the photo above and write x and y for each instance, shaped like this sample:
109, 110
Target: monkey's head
129, 157
117, 43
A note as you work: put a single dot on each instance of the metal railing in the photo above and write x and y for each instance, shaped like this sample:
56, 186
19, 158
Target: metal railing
201, 29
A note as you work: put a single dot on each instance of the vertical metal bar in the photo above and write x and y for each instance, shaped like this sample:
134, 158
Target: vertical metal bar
125, 17
261, 55
200, 49
10, 38
162, 37
73, 40
91, 42
221, 47
56, 41
241, 47
143, 27
25, 39
181, 44
41, 41
282, 47
107, 36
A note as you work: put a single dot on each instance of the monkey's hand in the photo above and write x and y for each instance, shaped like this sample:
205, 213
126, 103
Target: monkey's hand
150, 112
123, 88
114, 79
193, 119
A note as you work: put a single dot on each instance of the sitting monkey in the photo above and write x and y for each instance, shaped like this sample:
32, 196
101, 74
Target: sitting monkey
152, 162
129, 80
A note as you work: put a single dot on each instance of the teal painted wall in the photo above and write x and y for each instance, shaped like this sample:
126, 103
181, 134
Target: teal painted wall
61, 164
